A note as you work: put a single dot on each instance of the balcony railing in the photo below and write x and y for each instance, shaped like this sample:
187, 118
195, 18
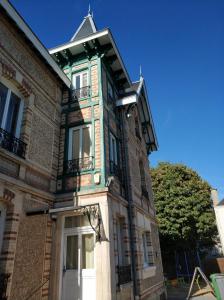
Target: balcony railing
12, 144
79, 164
83, 92
124, 274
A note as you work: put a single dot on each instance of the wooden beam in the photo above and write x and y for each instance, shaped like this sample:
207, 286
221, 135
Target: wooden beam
87, 49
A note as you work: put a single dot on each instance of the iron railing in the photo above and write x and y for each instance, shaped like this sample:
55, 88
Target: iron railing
83, 92
79, 164
12, 144
124, 274
4, 278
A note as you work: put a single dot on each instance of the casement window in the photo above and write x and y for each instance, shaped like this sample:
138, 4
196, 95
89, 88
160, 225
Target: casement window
148, 259
80, 149
120, 241
2, 223
80, 84
113, 149
80, 142
11, 111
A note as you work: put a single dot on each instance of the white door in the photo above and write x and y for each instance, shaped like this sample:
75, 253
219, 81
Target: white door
79, 276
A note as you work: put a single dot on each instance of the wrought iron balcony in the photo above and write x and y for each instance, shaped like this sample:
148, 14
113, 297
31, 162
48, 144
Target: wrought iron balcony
79, 164
83, 92
124, 274
12, 144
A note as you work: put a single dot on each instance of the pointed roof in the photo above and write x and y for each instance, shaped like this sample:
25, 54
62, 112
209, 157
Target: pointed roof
86, 28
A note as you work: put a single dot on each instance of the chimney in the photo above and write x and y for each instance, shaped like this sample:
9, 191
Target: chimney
214, 197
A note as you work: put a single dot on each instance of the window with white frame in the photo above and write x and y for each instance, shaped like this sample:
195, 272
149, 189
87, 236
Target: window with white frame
80, 142
113, 150
2, 223
11, 110
80, 84
148, 259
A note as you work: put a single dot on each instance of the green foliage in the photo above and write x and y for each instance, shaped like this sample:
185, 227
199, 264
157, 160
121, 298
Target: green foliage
184, 209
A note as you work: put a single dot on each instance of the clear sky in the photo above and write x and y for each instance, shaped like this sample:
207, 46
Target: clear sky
180, 45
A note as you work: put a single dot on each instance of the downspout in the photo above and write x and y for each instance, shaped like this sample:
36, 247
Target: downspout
128, 193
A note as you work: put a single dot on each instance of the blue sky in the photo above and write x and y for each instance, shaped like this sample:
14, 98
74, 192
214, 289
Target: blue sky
180, 45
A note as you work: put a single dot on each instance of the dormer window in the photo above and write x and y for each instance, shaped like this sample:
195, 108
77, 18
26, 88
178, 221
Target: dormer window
80, 85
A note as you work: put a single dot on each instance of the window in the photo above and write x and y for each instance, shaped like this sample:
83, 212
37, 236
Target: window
120, 241
11, 109
80, 85
147, 249
80, 148
110, 91
113, 149
80, 142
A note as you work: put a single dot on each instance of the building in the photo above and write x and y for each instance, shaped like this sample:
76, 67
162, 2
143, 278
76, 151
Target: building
77, 215
219, 215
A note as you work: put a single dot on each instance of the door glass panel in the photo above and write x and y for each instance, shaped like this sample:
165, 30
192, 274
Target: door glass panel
75, 144
3, 95
88, 251
86, 142
72, 252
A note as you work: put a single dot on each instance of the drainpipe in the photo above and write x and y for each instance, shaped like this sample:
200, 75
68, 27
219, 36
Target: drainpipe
128, 193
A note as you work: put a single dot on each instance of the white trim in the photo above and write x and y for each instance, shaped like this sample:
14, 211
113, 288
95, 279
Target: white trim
127, 100
33, 38
78, 42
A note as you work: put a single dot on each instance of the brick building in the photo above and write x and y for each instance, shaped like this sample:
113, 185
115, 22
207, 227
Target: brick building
77, 218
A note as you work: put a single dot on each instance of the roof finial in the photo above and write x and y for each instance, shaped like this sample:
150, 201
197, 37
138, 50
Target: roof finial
89, 10
140, 71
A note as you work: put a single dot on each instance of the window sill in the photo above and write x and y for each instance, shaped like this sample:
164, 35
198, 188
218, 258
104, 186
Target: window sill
125, 286
149, 271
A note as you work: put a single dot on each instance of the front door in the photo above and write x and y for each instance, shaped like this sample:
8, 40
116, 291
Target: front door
79, 276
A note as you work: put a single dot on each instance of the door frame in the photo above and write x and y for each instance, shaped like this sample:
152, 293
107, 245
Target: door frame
70, 231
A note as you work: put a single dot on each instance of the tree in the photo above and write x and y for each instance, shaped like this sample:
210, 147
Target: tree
184, 209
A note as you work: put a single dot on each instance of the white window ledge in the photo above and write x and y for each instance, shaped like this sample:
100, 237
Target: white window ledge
149, 272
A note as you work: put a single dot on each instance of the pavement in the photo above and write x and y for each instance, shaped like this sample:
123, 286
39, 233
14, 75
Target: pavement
181, 292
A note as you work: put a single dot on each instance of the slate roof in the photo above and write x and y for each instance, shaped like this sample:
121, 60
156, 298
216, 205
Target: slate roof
86, 28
